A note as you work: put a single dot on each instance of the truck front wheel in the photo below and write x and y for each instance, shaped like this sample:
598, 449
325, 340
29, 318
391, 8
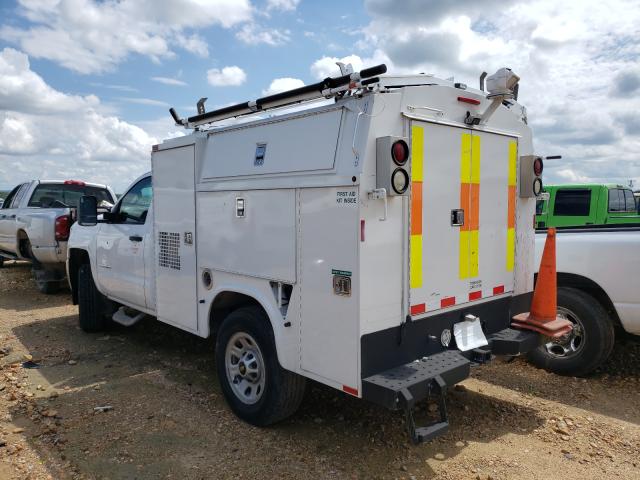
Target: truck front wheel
589, 344
90, 302
256, 387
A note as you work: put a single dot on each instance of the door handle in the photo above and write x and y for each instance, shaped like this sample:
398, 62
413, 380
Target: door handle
12, 216
135, 238
457, 217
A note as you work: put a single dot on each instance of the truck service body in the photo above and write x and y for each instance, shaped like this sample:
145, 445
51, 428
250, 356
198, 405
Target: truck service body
386, 239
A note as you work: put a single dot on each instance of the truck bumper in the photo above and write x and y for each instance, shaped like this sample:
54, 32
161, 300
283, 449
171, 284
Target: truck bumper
418, 366
415, 339
452, 366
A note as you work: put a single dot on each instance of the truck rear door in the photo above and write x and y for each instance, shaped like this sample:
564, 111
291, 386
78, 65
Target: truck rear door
462, 221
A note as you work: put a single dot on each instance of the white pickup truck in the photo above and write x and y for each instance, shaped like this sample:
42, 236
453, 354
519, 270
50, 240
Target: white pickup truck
35, 220
597, 291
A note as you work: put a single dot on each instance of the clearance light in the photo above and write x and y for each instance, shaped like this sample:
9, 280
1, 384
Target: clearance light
472, 101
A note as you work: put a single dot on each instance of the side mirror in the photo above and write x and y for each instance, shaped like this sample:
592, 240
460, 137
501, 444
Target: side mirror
88, 211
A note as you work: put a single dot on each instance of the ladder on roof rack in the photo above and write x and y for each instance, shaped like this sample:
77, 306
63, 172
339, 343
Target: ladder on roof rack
329, 87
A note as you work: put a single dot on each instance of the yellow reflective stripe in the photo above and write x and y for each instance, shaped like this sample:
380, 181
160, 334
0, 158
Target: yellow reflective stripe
417, 153
513, 160
474, 250
469, 234
465, 158
511, 248
475, 160
464, 254
415, 261
512, 181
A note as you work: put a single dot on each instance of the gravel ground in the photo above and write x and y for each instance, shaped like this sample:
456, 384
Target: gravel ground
165, 416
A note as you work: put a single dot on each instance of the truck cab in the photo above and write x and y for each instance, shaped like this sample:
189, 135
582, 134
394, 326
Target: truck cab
575, 205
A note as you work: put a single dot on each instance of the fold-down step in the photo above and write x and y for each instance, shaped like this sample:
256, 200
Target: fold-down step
418, 377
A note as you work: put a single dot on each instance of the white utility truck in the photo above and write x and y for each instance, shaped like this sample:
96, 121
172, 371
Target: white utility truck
378, 241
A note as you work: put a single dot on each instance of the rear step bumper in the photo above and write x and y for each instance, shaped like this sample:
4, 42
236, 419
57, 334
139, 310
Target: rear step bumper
402, 386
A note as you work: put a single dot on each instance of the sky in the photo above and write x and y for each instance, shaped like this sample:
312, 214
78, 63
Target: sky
85, 85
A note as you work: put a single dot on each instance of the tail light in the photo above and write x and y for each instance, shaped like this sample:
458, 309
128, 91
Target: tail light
74, 182
62, 227
538, 166
400, 152
393, 157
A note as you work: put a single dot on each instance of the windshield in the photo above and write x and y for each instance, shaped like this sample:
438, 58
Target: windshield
46, 194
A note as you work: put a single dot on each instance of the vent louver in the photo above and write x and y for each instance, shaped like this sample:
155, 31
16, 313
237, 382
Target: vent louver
169, 256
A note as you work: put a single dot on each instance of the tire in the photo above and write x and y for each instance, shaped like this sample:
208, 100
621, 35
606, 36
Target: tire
588, 346
282, 390
90, 301
1, 262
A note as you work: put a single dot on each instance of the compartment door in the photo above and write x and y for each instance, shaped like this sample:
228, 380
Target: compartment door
175, 236
328, 246
462, 216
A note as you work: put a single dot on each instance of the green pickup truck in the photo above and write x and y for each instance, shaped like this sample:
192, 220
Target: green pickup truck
575, 205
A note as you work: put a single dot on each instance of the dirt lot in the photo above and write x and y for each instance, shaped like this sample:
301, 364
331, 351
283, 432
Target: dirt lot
169, 420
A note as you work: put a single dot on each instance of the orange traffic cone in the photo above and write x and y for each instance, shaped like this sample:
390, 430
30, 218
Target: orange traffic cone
543, 317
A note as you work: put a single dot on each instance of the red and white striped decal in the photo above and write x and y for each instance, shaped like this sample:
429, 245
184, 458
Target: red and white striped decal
445, 302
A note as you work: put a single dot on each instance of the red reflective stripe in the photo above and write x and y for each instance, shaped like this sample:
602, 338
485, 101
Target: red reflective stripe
418, 309
498, 290
350, 390
475, 295
362, 230
447, 302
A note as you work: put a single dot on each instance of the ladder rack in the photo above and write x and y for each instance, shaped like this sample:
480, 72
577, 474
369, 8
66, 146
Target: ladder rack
329, 87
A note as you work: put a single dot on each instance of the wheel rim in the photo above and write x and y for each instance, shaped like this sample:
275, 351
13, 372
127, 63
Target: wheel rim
570, 344
245, 369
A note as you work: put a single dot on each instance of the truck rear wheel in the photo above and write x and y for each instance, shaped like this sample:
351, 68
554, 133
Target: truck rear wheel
90, 301
587, 346
256, 387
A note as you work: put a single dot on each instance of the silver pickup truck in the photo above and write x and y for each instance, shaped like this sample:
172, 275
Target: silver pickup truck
34, 225
598, 292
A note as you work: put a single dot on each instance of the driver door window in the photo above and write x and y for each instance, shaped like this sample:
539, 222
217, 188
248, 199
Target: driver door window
134, 206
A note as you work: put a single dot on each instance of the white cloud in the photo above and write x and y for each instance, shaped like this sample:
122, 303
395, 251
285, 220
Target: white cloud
48, 133
254, 34
578, 65
283, 5
25, 91
193, 43
228, 76
90, 36
169, 81
282, 84
326, 66
145, 101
